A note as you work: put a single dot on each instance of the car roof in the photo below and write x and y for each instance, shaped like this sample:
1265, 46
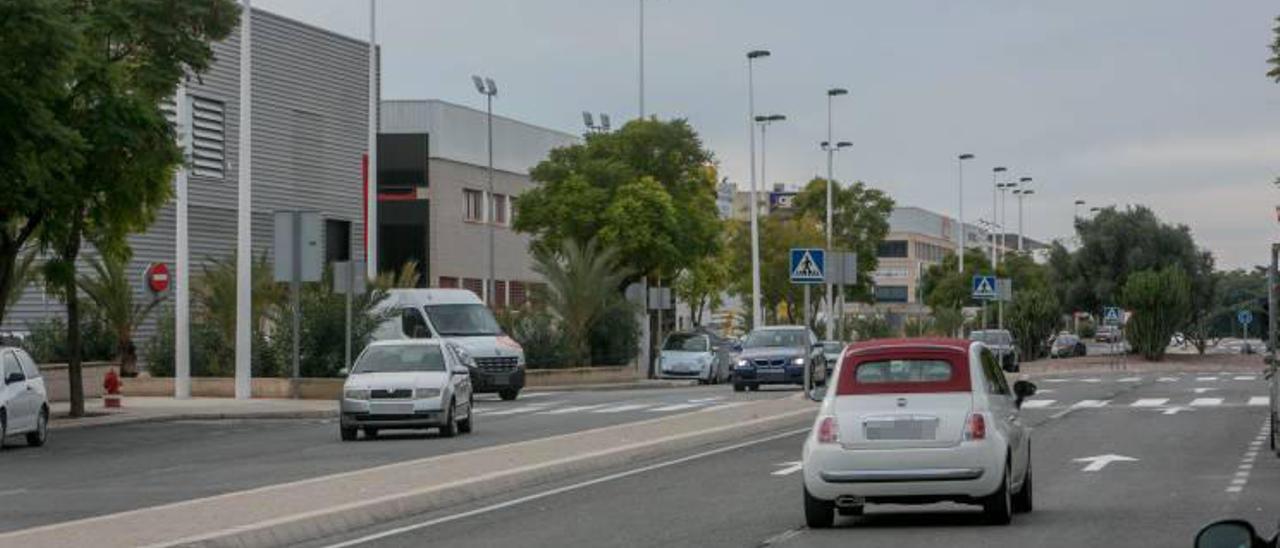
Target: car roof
433, 295
924, 343
781, 328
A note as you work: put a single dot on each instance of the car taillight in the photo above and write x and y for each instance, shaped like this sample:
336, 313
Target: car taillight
828, 431
975, 428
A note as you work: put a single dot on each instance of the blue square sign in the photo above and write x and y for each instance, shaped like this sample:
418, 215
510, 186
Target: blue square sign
808, 266
984, 288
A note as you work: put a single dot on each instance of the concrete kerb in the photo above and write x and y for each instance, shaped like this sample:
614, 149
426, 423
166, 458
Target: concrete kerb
109, 420
247, 522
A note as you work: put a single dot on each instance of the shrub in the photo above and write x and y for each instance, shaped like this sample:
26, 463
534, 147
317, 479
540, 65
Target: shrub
538, 332
947, 322
211, 355
324, 317
917, 326
866, 328
615, 336
1160, 301
1033, 317
1087, 330
47, 342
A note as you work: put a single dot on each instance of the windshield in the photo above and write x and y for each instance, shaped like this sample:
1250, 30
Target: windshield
991, 337
400, 359
463, 320
903, 371
775, 337
687, 343
832, 347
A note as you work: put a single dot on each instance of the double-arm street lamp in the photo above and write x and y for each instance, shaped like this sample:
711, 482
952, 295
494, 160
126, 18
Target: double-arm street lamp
756, 312
489, 90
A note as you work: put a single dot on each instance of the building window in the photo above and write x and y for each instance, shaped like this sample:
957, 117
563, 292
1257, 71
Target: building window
500, 209
476, 286
448, 282
892, 249
891, 293
518, 294
475, 205
499, 294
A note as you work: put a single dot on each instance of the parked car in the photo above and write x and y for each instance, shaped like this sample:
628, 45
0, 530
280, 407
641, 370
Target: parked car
831, 354
1066, 345
918, 421
1107, 334
778, 355
694, 355
460, 317
1001, 342
24, 403
407, 384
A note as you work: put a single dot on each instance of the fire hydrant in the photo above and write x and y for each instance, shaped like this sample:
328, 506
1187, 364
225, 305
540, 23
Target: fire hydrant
112, 385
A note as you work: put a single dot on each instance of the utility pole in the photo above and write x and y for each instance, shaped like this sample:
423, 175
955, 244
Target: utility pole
961, 241
831, 150
756, 312
244, 221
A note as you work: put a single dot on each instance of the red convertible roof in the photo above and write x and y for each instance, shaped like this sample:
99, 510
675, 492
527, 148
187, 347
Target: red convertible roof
961, 345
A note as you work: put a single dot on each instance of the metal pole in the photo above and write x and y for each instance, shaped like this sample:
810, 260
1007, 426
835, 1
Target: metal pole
351, 289
642, 59
244, 205
756, 312
1271, 306
371, 193
493, 284
295, 290
808, 317
831, 150
1020, 197
995, 219
181, 305
960, 241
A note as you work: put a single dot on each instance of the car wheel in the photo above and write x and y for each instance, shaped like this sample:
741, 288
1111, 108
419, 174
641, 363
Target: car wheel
464, 425
450, 427
851, 511
753, 387
1022, 501
818, 513
738, 387
4, 427
509, 394
37, 437
370, 432
998, 507
348, 433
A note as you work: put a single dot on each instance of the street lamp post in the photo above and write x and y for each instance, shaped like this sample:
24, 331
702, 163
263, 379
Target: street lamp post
488, 89
995, 189
830, 301
1076, 212
1004, 218
756, 312
764, 122
835, 302
1021, 193
960, 237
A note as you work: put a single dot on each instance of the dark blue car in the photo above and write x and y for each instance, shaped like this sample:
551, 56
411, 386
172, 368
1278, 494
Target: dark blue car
777, 355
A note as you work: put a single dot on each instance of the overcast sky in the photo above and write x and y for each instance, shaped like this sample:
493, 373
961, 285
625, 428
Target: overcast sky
1156, 102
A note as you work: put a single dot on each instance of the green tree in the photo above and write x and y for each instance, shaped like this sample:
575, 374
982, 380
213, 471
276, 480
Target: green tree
647, 189
128, 56
859, 222
23, 272
112, 294
1032, 318
1160, 301
582, 287
778, 235
1274, 61
702, 285
943, 286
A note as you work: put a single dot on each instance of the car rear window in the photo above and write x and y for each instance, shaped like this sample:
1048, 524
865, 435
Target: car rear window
925, 371
903, 371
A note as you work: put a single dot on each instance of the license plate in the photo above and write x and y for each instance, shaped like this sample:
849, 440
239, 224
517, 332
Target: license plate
499, 379
901, 429
391, 408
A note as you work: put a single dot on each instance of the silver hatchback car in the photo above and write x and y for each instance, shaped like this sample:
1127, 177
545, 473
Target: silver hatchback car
407, 384
24, 403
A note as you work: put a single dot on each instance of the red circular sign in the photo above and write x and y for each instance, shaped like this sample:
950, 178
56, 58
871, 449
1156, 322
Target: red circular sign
157, 277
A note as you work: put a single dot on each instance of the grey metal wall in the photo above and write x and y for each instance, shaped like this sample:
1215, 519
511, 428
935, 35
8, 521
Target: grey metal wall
310, 119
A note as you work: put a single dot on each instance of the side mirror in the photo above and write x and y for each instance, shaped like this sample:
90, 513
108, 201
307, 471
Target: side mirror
1230, 533
1023, 390
344, 372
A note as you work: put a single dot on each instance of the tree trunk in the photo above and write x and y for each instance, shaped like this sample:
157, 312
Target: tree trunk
70, 252
8, 259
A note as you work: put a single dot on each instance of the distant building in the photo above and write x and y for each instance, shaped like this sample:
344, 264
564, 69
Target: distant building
917, 239
725, 194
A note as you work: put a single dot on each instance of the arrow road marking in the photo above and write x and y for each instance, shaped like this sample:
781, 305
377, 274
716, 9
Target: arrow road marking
1101, 461
788, 468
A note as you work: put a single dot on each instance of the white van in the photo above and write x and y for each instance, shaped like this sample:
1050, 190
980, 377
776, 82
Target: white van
460, 317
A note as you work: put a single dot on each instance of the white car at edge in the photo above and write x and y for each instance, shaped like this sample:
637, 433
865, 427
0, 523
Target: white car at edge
918, 421
24, 403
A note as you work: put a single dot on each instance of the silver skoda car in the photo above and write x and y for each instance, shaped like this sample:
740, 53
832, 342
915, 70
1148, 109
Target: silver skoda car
407, 384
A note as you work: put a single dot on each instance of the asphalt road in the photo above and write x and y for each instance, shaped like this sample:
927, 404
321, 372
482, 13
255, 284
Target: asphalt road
93, 471
1195, 438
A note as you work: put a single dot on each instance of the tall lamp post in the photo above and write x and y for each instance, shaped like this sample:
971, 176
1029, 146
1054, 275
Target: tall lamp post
960, 236
995, 189
488, 89
1076, 213
1021, 193
830, 300
756, 312
1004, 219
764, 121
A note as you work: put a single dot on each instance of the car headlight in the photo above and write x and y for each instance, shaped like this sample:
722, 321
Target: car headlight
743, 363
424, 393
797, 361
356, 393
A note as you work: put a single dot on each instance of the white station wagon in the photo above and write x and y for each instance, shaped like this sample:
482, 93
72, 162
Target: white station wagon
918, 421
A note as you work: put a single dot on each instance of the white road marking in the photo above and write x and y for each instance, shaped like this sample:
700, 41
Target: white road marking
781, 537
1260, 400
1246, 377
1239, 481
1091, 403
1057, 380
12, 492
1206, 379
788, 468
622, 408
1168, 379
1246, 466
1202, 390
1251, 455
707, 400
1099, 462
1205, 402
537, 394
1150, 402
1037, 404
522, 409
1091, 380
1131, 379
1045, 391
723, 406
1174, 410
573, 409
564, 489
676, 407
1235, 489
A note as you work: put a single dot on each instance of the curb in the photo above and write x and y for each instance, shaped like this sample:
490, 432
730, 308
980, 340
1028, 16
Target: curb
60, 424
613, 386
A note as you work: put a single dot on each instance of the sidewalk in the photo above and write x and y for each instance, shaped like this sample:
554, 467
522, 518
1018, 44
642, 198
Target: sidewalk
140, 409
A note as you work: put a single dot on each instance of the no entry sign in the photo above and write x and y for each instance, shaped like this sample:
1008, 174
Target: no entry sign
157, 277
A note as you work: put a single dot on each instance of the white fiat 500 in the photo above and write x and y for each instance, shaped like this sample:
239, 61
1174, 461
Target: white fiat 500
917, 422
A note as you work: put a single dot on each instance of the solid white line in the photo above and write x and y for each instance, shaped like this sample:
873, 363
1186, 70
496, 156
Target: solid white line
1150, 402
1091, 380
564, 489
1057, 380
1246, 377
723, 406
521, 409
621, 408
574, 409
1260, 401
1036, 404
12, 492
676, 407
1091, 403
792, 467
1202, 402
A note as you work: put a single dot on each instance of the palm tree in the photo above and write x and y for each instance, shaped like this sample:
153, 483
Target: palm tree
23, 272
583, 282
214, 294
405, 278
109, 288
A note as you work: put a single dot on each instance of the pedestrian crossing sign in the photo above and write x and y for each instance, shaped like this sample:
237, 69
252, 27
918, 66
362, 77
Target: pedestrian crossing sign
984, 288
1112, 316
808, 265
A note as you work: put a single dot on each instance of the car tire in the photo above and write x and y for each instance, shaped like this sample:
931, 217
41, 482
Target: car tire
818, 513
739, 387
1022, 500
4, 427
450, 427
370, 432
754, 387
851, 511
348, 433
464, 426
509, 394
998, 506
40, 435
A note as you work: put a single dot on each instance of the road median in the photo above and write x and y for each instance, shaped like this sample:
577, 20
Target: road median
322, 506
